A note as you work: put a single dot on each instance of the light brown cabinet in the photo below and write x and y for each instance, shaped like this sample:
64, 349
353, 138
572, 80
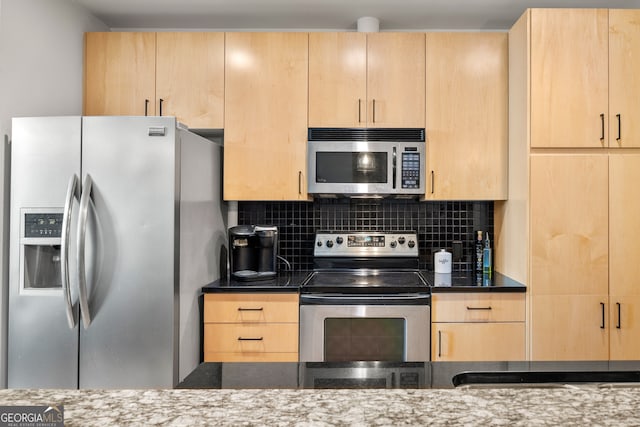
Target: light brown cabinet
478, 327
241, 327
119, 74
366, 80
467, 116
168, 74
265, 124
583, 89
570, 227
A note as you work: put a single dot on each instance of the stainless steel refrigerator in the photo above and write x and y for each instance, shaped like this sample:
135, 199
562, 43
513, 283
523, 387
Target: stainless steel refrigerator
116, 224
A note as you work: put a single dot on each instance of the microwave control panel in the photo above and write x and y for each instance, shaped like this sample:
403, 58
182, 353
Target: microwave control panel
410, 170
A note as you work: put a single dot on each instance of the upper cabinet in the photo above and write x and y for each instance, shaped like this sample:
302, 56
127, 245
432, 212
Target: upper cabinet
178, 74
265, 125
119, 74
190, 78
583, 90
624, 86
366, 80
467, 116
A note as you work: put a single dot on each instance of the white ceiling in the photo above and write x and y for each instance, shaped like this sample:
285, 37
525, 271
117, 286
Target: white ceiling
324, 14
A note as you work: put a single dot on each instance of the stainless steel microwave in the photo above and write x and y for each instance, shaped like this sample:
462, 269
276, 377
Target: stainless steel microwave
366, 162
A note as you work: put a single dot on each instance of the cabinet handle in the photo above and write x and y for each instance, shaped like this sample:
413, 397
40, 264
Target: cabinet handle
250, 309
602, 307
299, 182
619, 317
161, 101
478, 308
602, 127
146, 107
374, 111
250, 339
439, 344
619, 127
359, 110
432, 181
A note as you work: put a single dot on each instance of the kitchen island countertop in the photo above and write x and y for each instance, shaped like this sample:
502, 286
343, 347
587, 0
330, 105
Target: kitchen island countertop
567, 406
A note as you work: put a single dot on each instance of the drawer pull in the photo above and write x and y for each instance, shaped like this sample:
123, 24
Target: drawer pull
478, 308
249, 339
250, 309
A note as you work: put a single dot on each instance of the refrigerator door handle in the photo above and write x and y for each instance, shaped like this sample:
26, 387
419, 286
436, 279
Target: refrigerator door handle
82, 234
72, 193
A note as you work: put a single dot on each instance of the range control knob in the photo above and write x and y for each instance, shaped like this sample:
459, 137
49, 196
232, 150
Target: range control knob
411, 244
339, 240
319, 243
329, 243
401, 240
393, 244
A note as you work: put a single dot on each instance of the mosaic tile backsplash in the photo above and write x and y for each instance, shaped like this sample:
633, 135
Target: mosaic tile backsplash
438, 224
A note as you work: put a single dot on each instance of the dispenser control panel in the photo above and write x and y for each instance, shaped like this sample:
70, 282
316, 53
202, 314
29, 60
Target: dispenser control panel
43, 225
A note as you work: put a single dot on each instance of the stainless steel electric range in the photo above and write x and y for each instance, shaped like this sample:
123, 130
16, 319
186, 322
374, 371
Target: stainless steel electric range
365, 312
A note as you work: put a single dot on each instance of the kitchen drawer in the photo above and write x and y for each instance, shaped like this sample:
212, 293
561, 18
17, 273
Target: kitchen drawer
478, 342
478, 307
251, 308
251, 338
250, 357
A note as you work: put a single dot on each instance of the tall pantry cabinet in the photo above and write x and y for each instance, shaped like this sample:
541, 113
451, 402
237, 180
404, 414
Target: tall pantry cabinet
571, 225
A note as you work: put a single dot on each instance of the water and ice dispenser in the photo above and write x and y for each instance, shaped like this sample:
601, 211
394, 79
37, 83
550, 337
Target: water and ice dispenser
40, 241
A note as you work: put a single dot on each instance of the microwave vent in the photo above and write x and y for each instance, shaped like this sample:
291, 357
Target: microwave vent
366, 134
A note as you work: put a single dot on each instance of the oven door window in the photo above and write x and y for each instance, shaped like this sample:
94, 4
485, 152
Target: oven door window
364, 339
364, 167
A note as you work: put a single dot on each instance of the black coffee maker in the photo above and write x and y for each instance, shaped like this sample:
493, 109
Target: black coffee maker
253, 252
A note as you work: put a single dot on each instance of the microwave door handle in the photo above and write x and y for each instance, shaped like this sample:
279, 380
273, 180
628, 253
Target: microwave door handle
72, 193
81, 239
394, 167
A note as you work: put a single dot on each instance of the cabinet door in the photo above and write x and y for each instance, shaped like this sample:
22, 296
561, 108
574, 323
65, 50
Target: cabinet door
119, 74
569, 84
478, 342
569, 327
624, 86
396, 80
467, 118
569, 224
265, 132
190, 78
624, 327
624, 225
337, 79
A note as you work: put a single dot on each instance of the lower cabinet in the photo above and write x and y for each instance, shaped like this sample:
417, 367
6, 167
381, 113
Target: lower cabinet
242, 327
478, 327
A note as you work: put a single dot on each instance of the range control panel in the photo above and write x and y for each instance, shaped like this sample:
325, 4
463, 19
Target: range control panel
43, 225
366, 243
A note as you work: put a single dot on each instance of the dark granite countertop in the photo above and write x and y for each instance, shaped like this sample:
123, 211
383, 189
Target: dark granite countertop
290, 281
285, 281
470, 282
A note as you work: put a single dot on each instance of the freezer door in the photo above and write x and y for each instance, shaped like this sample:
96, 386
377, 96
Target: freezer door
131, 248
42, 347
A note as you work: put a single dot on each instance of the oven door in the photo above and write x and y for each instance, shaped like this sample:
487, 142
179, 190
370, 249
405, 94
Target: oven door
365, 328
351, 167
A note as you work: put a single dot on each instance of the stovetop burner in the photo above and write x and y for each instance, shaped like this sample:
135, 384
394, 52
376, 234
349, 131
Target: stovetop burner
366, 278
348, 262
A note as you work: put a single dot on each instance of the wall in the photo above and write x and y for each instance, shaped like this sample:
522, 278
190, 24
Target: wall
41, 54
438, 224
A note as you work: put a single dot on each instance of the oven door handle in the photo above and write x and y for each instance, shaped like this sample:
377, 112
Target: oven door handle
333, 299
